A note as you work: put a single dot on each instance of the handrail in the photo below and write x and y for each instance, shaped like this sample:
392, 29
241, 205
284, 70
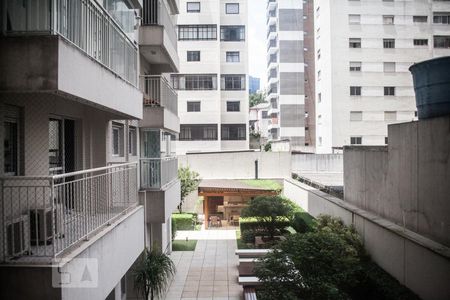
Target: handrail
59, 176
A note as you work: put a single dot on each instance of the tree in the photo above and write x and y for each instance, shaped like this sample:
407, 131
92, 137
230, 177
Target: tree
257, 98
152, 273
268, 210
314, 265
189, 183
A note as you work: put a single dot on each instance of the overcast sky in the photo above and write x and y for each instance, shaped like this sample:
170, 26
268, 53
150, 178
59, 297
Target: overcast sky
257, 39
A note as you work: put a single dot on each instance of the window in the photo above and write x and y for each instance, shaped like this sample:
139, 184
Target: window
389, 90
390, 116
388, 20
319, 97
320, 141
232, 33
117, 139
420, 42
233, 132
232, 56
198, 132
442, 41
441, 18
232, 8
193, 106
197, 32
354, 19
355, 140
355, 43
355, 91
319, 73
132, 141
420, 19
233, 106
193, 7
264, 114
232, 82
318, 54
389, 67
388, 43
194, 81
356, 116
55, 145
11, 140
193, 56
355, 66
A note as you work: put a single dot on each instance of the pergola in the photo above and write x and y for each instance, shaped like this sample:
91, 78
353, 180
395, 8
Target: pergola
210, 188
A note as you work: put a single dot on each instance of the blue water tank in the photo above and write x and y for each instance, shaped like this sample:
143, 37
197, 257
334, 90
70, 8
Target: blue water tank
432, 87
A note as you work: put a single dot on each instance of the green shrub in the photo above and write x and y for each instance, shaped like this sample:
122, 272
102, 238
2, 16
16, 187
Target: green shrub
299, 223
174, 229
252, 224
248, 236
183, 221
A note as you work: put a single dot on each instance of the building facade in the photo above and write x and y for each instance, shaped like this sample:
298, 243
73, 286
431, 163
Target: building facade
88, 119
357, 97
254, 84
212, 84
286, 71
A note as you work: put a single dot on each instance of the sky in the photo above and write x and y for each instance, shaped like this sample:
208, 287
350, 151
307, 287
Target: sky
257, 39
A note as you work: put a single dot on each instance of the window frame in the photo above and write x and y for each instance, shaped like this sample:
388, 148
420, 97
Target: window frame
387, 43
355, 91
357, 66
231, 4
240, 33
13, 115
420, 19
356, 140
445, 41
232, 54
230, 107
233, 132
193, 105
237, 81
357, 42
193, 11
388, 17
132, 140
198, 132
389, 91
119, 128
191, 55
197, 32
418, 42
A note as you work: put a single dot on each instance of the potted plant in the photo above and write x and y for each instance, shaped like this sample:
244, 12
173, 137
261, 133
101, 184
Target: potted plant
152, 273
432, 86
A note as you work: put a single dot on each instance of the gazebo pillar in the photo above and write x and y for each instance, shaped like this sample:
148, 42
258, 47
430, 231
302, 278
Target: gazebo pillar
206, 211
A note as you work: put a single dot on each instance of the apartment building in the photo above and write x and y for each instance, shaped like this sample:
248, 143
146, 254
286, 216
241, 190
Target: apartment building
160, 187
66, 201
212, 83
88, 175
363, 52
254, 84
286, 71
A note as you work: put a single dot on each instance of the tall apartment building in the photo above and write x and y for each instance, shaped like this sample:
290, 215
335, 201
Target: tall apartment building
363, 52
285, 71
213, 83
75, 212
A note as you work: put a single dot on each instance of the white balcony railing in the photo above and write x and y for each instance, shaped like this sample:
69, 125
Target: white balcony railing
84, 23
157, 172
158, 92
43, 216
155, 12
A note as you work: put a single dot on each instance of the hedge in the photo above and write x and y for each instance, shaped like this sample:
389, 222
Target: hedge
252, 224
183, 221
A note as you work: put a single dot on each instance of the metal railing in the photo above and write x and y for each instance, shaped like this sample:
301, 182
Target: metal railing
84, 23
157, 172
42, 216
155, 12
158, 92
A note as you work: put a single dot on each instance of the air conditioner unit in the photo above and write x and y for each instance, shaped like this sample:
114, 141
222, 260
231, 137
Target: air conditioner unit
17, 232
41, 220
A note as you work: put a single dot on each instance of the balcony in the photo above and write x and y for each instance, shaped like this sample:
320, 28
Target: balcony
44, 217
273, 124
272, 31
157, 173
157, 36
53, 49
160, 104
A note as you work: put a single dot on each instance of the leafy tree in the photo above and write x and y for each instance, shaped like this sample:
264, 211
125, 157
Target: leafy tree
189, 183
268, 147
268, 210
257, 98
152, 273
313, 265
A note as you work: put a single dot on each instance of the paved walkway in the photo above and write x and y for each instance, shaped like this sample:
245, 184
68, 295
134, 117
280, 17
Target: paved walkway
209, 272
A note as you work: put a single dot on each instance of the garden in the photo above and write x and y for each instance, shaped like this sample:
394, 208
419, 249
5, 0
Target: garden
311, 258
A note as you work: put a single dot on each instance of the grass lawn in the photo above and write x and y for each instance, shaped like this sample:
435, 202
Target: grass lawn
263, 183
181, 245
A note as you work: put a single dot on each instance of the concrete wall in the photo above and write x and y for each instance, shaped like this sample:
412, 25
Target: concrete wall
408, 181
48, 63
317, 163
416, 261
238, 165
